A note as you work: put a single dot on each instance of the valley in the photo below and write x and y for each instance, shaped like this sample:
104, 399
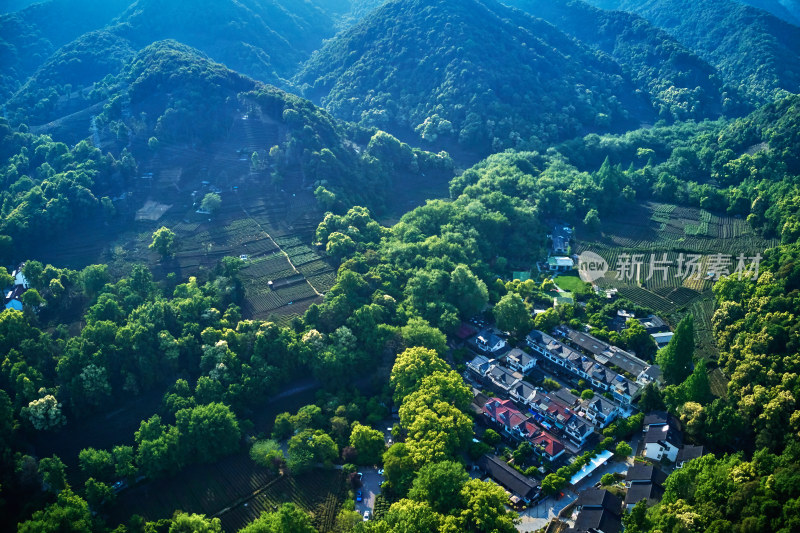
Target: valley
380, 266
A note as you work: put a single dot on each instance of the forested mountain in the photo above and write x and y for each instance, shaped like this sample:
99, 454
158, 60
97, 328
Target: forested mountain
175, 94
65, 82
264, 253
787, 10
30, 36
264, 39
680, 84
754, 51
473, 72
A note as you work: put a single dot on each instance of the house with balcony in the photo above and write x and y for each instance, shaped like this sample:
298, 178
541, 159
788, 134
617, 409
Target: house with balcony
520, 360
601, 377
663, 442
489, 342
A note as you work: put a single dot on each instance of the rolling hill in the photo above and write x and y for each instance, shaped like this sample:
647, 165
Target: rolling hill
28, 37
753, 50
476, 73
679, 84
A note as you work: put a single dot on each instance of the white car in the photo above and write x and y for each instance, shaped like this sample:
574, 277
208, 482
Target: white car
366, 516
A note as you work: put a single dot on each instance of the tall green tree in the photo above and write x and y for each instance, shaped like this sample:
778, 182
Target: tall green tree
69, 514
439, 485
164, 242
467, 292
194, 523
410, 367
675, 359
211, 202
369, 443
512, 315
288, 518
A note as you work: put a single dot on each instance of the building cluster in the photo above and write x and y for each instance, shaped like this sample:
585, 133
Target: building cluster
12, 296
599, 510
559, 424
554, 422
606, 368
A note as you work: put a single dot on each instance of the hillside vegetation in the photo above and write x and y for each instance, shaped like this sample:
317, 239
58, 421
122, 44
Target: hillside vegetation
475, 72
679, 84
754, 51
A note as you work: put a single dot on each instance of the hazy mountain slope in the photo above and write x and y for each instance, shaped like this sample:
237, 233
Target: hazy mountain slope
753, 50
55, 89
680, 84
783, 10
28, 37
475, 72
260, 38
9, 6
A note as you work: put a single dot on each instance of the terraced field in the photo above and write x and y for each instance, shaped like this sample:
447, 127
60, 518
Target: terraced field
656, 236
237, 491
319, 492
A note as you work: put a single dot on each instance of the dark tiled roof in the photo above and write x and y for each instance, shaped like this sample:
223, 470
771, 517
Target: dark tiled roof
689, 452
639, 473
643, 491
599, 519
656, 417
519, 356
599, 498
664, 434
587, 342
506, 476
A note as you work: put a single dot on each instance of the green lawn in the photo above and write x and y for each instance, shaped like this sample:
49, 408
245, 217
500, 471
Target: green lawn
572, 283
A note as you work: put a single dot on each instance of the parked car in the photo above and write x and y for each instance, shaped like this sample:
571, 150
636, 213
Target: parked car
359, 475
380, 472
359, 497
366, 516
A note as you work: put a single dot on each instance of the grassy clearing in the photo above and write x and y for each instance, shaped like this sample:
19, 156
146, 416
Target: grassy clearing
572, 283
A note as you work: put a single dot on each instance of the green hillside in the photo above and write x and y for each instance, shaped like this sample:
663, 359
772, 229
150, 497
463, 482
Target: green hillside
783, 9
477, 73
680, 84
261, 38
28, 37
754, 51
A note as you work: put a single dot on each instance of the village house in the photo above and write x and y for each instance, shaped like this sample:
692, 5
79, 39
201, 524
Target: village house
480, 365
502, 379
598, 511
644, 482
663, 442
12, 297
600, 411
603, 378
521, 427
489, 343
560, 264
522, 488
520, 361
